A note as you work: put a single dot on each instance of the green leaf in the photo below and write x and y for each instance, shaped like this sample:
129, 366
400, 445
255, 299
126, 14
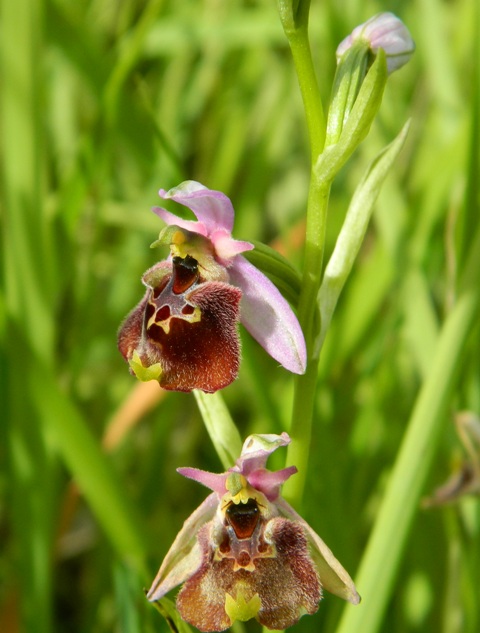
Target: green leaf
349, 77
358, 124
392, 526
90, 468
353, 230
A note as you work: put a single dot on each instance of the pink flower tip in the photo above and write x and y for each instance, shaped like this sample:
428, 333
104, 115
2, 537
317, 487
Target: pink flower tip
384, 31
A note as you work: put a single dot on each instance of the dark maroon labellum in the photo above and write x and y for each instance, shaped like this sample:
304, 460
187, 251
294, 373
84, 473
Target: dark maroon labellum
187, 325
243, 518
284, 578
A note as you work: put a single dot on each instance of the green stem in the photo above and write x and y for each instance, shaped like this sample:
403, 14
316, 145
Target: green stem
304, 394
295, 24
307, 79
301, 433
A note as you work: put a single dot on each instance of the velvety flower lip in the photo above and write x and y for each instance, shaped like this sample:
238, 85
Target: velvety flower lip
245, 553
184, 331
385, 31
263, 311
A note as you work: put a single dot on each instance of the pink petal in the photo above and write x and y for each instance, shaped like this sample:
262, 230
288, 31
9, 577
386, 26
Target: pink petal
189, 225
268, 317
214, 481
269, 482
213, 208
226, 248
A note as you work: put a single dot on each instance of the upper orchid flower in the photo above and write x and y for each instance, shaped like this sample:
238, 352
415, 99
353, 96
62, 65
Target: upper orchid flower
245, 553
184, 331
385, 31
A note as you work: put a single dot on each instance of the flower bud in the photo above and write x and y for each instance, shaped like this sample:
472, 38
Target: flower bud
385, 31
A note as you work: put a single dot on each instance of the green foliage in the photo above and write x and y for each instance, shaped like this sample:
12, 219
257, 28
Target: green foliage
104, 102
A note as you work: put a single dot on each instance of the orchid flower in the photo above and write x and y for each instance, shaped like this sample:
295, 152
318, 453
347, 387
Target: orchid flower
183, 333
385, 31
245, 553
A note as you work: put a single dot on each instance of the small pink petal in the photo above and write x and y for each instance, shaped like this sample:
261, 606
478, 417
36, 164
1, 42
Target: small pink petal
189, 225
268, 316
226, 248
269, 482
214, 481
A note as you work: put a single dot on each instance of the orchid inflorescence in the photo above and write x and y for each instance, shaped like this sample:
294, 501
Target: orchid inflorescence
245, 552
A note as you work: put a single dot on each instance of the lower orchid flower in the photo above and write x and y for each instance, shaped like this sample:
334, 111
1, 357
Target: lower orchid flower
245, 553
183, 333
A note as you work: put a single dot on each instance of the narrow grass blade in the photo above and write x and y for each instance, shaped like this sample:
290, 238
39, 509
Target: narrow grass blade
353, 230
90, 468
390, 533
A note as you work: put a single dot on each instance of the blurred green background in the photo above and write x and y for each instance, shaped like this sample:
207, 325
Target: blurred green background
102, 103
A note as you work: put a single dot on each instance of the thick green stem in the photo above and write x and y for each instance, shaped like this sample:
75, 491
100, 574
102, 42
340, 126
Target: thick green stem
295, 24
303, 404
301, 432
302, 57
